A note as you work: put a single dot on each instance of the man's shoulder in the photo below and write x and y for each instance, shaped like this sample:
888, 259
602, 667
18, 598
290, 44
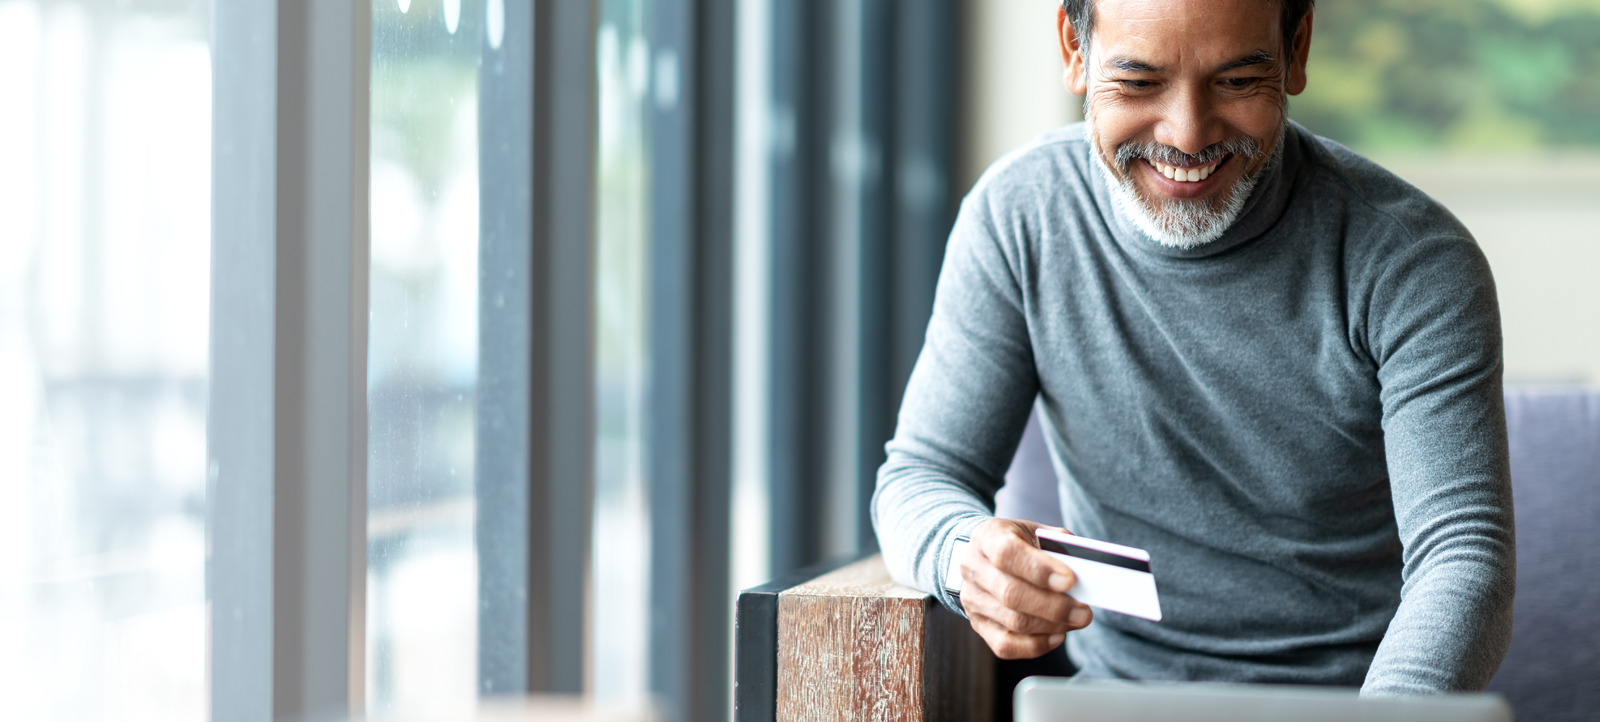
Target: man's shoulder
1393, 234
1379, 203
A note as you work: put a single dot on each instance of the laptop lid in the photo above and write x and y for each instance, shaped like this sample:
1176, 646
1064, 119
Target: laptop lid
1057, 699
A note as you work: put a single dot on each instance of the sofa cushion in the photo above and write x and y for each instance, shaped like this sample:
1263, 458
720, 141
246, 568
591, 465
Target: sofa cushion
1552, 671
1030, 489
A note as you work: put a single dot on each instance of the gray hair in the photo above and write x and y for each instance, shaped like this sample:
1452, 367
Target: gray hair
1290, 12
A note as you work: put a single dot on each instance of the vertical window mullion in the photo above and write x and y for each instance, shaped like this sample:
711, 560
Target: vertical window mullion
239, 580
319, 522
797, 228
688, 401
861, 175
288, 418
505, 531
669, 433
924, 190
561, 434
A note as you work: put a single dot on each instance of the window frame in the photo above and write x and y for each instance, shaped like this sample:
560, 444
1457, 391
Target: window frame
287, 423
286, 428
689, 392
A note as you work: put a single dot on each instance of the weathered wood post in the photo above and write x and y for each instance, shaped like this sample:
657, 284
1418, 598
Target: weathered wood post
851, 644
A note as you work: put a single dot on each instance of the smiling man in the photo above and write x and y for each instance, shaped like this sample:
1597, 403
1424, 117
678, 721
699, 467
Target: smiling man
1255, 354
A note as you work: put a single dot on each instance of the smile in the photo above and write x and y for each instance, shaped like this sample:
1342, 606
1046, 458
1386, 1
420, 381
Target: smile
1187, 175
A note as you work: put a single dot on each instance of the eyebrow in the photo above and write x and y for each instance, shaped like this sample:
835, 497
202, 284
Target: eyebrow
1125, 63
1259, 57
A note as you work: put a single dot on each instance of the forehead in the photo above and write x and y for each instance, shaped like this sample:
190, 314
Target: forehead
1166, 32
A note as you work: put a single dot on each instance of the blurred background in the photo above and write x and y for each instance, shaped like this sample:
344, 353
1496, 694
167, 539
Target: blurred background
105, 233
422, 357
857, 126
1493, 108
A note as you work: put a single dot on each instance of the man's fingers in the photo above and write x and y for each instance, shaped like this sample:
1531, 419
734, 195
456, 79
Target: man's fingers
1010, 619
1022, 558
1072, 617
1016, 588
1007, 644
1015, 593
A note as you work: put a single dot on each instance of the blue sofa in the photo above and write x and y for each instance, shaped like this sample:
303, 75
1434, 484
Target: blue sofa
1552, 671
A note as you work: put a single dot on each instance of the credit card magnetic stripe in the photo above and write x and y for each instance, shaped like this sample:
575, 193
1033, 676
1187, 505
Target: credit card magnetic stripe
953, 580
1116, 560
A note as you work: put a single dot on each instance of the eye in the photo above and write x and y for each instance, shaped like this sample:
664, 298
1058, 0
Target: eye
1239, 82
1136, 84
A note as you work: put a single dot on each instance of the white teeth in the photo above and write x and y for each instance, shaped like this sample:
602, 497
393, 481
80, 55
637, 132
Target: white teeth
1181, 175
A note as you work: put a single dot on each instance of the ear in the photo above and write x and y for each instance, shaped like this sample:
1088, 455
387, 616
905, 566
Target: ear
1302, 51
1072, 58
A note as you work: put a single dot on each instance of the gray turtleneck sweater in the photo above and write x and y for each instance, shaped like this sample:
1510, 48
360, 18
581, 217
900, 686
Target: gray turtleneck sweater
1301, 421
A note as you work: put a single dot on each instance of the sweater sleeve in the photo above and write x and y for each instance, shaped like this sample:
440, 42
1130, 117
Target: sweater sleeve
965, 408
1434, 333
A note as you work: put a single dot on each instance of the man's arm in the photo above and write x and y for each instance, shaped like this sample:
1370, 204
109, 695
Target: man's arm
1434, 331
965, 407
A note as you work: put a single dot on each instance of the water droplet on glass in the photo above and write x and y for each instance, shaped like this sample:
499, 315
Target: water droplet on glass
495, 22
452, 15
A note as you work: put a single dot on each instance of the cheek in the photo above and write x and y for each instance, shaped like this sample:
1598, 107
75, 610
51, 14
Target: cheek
1256, 116
1118, 119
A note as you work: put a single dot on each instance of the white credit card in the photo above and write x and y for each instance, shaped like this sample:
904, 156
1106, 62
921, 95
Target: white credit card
1112, 577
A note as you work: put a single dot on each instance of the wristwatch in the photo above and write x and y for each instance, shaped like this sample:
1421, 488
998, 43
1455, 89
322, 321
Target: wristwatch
952, 575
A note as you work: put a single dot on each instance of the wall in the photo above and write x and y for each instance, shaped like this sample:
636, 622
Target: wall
1012, 81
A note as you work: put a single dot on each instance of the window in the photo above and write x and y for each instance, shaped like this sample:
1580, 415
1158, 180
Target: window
105, 156
422, 355
622, 254
384, 388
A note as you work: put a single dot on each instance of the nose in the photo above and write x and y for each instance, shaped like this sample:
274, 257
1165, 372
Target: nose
1189, 123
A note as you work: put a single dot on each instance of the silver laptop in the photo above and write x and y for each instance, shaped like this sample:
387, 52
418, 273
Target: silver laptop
1056, 699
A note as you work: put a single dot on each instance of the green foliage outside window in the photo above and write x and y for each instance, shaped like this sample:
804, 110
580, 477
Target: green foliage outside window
1454, 75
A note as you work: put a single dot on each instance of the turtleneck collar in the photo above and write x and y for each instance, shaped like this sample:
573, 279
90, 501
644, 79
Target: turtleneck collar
1261, 211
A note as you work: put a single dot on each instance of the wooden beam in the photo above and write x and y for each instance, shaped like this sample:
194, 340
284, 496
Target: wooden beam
854, 645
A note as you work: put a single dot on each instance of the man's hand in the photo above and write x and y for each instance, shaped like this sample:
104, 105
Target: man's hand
1014, 594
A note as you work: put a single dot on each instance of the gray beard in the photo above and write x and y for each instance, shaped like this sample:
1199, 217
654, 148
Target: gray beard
1188, 222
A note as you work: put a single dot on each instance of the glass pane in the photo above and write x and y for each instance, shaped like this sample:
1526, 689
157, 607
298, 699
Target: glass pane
1490, 106
621, 528
422, 361
105, 148
1472, 75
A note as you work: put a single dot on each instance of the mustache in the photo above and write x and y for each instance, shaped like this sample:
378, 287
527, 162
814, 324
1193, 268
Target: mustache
1150, 150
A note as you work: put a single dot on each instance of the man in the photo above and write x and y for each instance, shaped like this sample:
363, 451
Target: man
1255, 354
